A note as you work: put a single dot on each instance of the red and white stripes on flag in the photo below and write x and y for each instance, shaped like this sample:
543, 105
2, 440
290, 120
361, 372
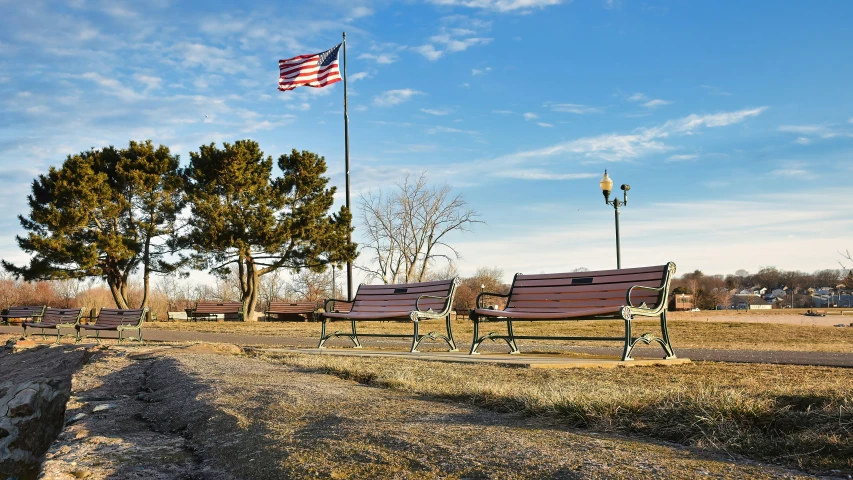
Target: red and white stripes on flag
313, 70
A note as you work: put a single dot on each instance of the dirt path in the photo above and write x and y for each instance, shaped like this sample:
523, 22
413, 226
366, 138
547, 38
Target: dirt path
183, 413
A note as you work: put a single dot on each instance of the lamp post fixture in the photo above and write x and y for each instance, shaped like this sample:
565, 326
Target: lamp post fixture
606, 185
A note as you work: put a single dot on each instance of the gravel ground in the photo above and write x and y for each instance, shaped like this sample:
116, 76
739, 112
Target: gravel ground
204, 412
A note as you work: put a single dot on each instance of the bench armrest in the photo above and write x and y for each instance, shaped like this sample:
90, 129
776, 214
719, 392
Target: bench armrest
645, 309
418, 301
326, 303
488, 294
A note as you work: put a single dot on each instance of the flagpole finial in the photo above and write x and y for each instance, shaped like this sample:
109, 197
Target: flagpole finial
345, 35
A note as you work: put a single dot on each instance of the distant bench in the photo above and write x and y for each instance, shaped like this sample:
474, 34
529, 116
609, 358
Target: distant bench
413, 302
32, 312
602, 295
306, 309
211, 310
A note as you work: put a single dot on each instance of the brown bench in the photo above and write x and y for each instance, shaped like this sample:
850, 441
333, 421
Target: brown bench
603, 295
210, 310
413, 302
308, 309
32, 312
117, 320
57, 319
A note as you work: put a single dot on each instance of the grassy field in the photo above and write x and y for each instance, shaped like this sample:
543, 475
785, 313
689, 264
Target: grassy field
684, 334
791, 415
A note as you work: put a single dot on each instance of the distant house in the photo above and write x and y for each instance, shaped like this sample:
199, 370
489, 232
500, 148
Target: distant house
681, 301
749, 302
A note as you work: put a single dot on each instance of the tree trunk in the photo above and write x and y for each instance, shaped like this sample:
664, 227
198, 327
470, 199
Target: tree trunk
119, 292
249, 287
146, 276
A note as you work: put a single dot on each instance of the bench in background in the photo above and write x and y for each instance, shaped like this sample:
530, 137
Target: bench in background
211, 310
414, 302
602, 295
306, 309
32, 312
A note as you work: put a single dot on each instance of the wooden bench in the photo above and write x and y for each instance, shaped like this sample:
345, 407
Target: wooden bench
32, 312
603, 295
57, 319
117, 320
307, 309
210, 310
414, 302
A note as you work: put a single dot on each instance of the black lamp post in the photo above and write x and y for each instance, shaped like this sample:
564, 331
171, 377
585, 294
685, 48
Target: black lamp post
606, 185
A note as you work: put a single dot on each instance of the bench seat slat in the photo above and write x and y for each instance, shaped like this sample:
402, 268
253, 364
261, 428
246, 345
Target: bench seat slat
531, 281
534, 315
601, 273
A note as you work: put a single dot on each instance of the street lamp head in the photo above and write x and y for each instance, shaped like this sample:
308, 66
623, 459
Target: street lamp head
606, 185
625, 187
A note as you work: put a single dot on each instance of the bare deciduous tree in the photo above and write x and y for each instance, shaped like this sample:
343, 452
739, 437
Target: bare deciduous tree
407, 229
311, 286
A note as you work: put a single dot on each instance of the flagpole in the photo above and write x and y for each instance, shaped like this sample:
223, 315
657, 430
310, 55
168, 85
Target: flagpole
346, 158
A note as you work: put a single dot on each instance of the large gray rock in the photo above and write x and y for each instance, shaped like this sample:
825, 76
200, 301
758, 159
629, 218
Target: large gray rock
35, 386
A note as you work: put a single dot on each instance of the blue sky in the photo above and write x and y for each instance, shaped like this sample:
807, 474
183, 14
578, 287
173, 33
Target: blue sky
732, 121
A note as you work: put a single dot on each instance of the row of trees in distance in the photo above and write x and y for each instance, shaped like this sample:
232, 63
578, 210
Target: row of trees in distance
108, 213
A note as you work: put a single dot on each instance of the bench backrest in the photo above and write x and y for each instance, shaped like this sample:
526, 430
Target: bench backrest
219, 307
574, 291
292, 307
54, 316
32, 311
404, 297
113, 317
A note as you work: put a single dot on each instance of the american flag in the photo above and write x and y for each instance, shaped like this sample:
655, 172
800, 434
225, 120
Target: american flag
312, 70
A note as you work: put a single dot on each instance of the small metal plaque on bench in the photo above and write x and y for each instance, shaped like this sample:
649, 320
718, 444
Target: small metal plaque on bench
582, 280
401, 290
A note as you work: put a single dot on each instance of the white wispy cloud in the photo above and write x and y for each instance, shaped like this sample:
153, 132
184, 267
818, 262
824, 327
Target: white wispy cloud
615, 147
503, 6
112, 86
807, 134
390, 98
480, 71
647, 101
656, 103
530, 116
429, 52
543, 124
502, 112
795, 170
453, 42
358, 76
440, 129
715, 90
573, 108
538, 174
452, 39
380, 58
437, 111
682, 157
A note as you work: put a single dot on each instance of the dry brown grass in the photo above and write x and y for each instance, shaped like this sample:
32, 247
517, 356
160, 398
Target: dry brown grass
792, 415
684, 334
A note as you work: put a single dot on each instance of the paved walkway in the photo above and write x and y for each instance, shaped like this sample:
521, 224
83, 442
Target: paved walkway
829, 359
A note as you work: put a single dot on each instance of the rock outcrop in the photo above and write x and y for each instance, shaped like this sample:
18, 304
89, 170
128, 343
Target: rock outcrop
35, 385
